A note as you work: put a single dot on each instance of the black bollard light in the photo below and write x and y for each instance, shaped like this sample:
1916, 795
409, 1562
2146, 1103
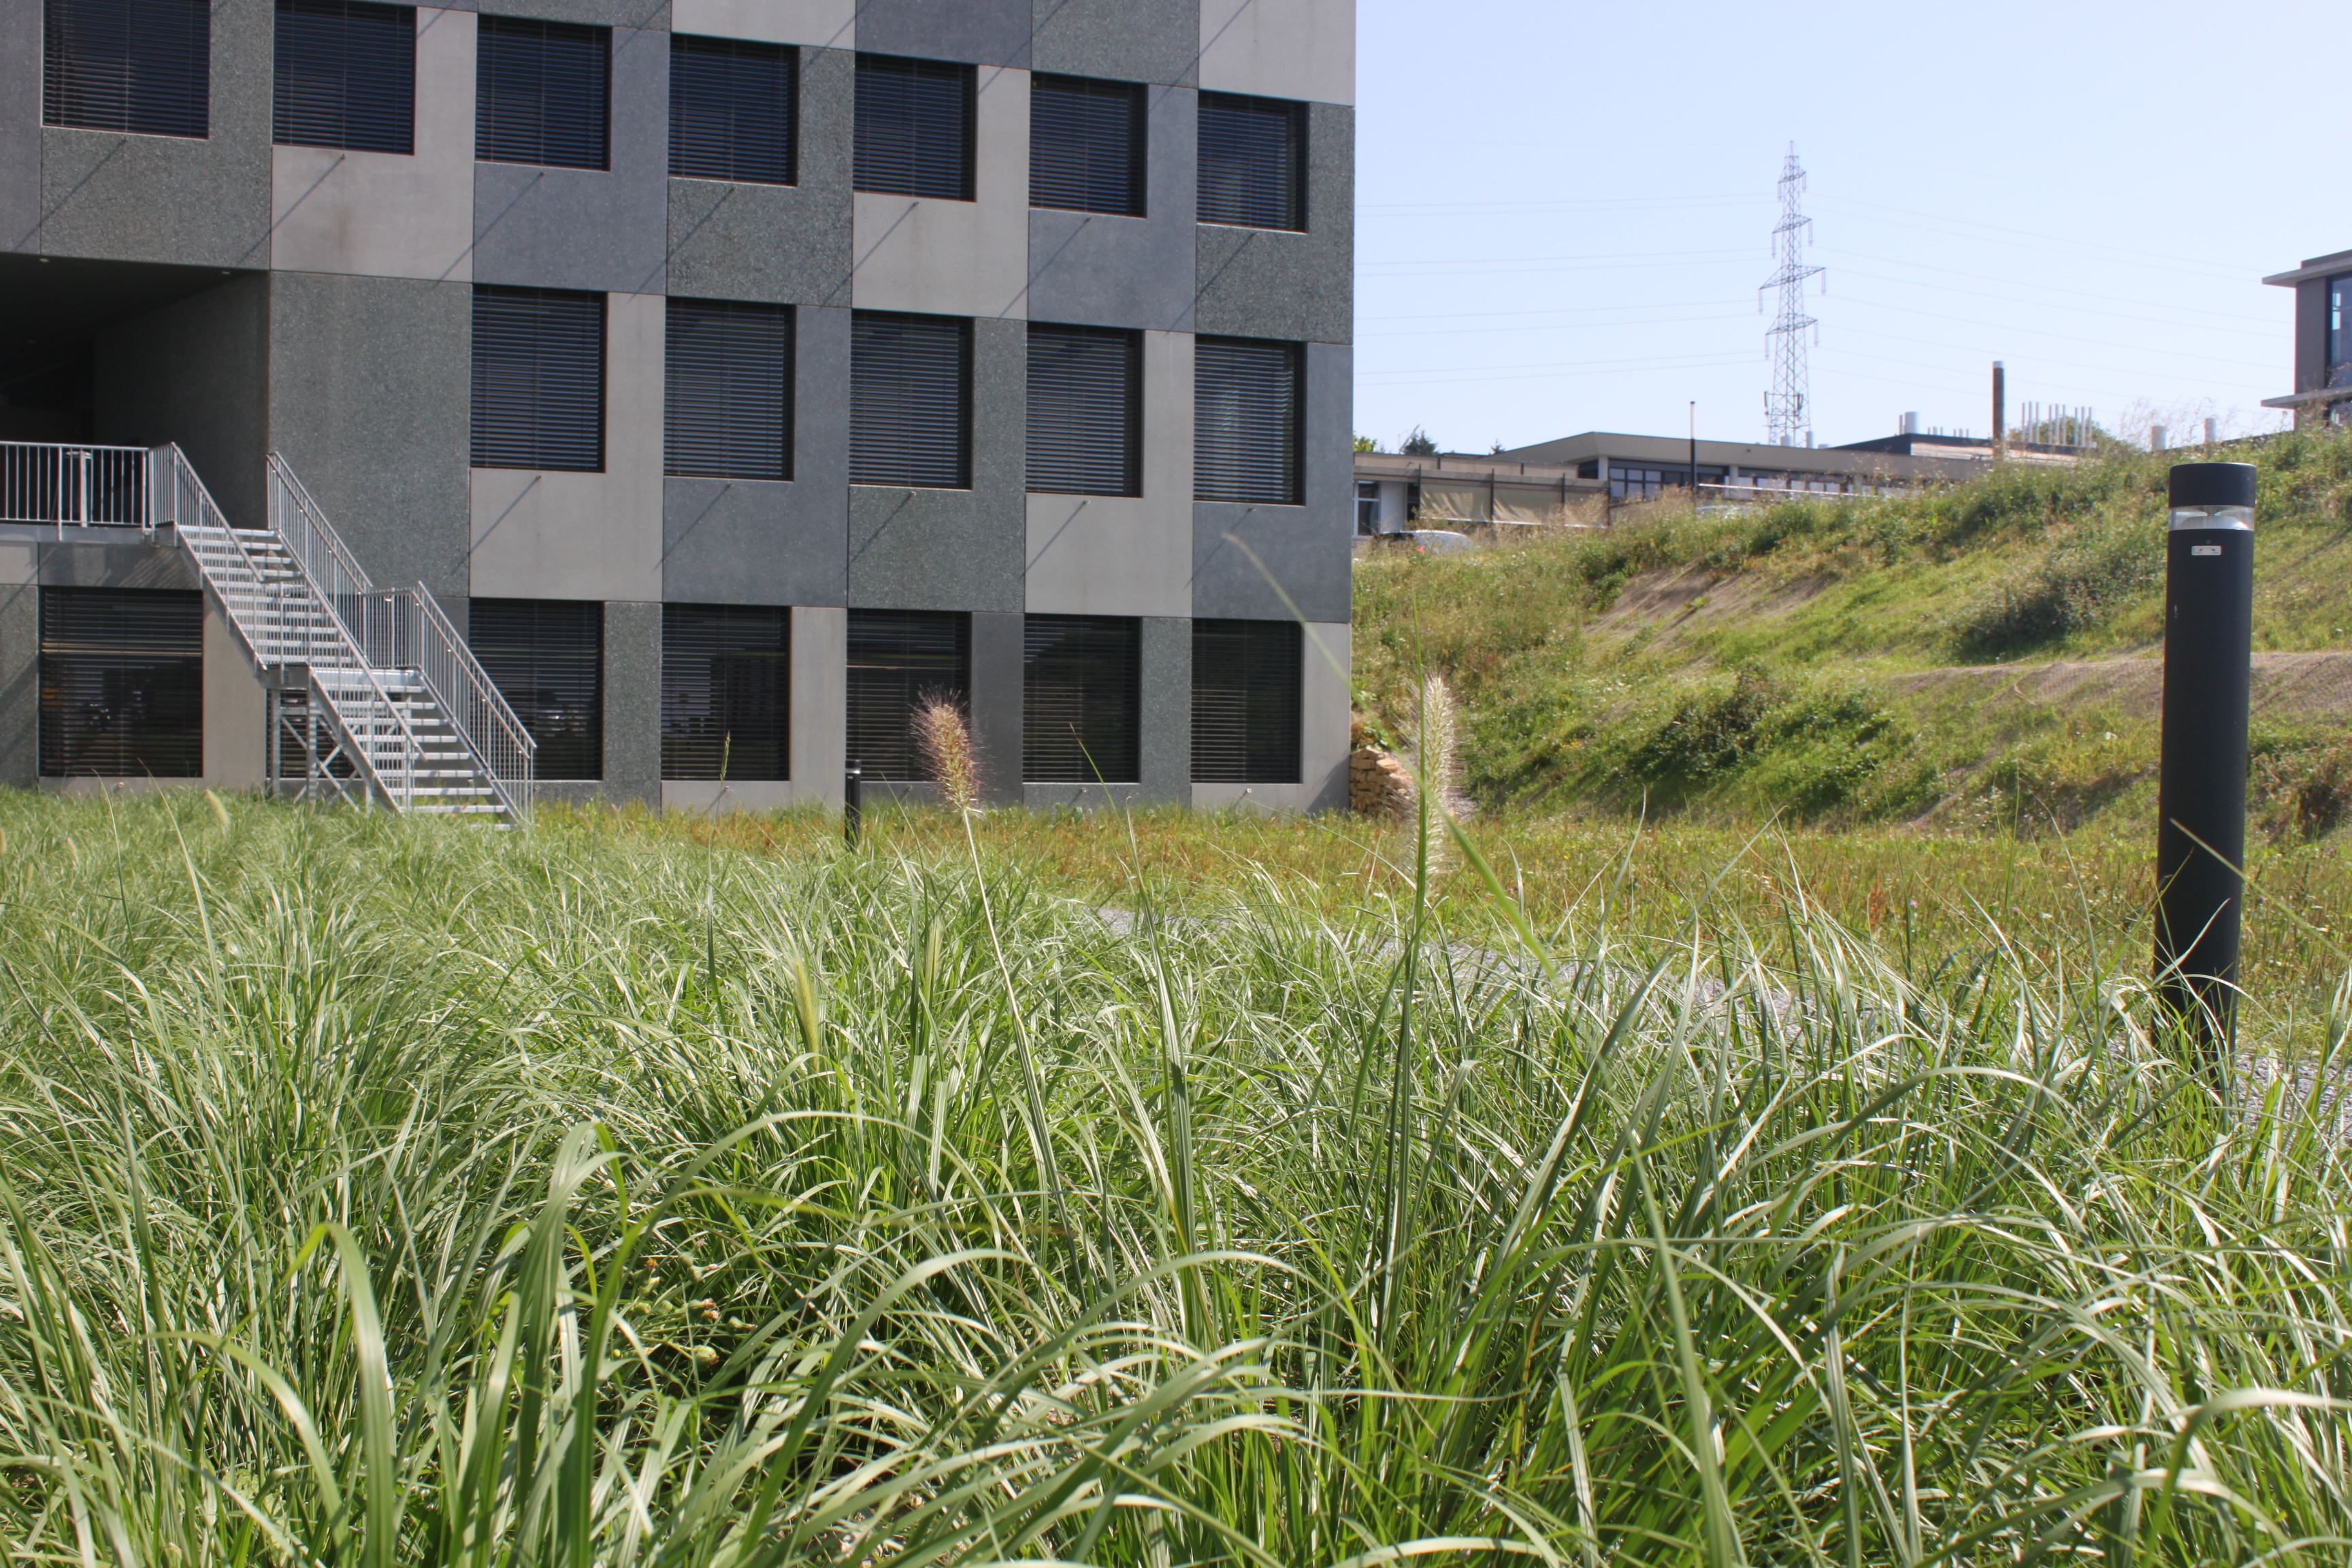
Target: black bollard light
852, 802
2200, 832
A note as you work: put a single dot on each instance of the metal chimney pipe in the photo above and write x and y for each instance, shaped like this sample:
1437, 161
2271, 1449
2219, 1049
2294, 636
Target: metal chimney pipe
2000, 404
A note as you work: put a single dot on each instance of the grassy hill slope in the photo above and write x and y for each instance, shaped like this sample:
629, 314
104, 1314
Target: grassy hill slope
1975, 654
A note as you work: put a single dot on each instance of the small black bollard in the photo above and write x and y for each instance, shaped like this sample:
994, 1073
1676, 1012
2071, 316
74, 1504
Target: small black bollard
853, 802
2200, 814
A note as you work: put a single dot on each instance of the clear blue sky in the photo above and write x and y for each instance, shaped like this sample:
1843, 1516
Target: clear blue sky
1563, 210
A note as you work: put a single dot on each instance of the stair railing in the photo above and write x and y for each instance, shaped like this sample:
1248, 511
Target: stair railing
406, 628
280, 628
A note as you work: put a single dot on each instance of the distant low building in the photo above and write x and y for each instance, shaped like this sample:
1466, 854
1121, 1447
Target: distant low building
1641, 467
2323, 344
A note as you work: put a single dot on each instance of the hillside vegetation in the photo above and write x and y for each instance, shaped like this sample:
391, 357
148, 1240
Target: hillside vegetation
1892, 659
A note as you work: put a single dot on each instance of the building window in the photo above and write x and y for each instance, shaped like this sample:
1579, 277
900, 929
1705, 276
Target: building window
909, 400
726, 691
1368, 506
2339, 339
1086, 145
1081, 698
542, 93
141, 66
122, 683
728, 408
1246, 421
1252, 161
546, 656
1636, 482
1086, 411
538, 379
732, 111
898, 660
914, 128
346, 76
1245, 679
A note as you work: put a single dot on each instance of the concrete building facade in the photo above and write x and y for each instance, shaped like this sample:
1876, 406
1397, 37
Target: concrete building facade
1156, 194
2323, 340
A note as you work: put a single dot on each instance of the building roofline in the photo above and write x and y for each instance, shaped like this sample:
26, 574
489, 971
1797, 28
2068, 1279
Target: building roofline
2313, 269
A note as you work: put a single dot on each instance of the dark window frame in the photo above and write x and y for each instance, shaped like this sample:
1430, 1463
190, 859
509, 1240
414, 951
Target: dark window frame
135, 68
1231, 471
743, 150
919, 458
565, 714
1064, 450
2336, 300
512, 119
717, 412
889, 675
532, 435
122, 682
1081, 700
1064, 113
727, 712
1234, 195
352, 87
1248, 702
901, 144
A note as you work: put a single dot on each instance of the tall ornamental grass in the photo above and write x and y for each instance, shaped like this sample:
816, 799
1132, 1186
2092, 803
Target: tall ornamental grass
383, 1192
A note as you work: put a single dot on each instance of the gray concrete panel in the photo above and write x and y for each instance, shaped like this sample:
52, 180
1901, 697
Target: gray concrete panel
1167, 741
752, 541
997, 678
1268, 283
984, 32
20, 143
587, 536
1097, 270
788, 245
653, 14
825, 24
390, 215
749, 543
1122, 40
1325, 694
20, 684
140, 565
955, 550
1328, 459
195, 372
957, 258
368, 406
820, 680
632, 662
237, 726
1280, 48
203, 203
588, 228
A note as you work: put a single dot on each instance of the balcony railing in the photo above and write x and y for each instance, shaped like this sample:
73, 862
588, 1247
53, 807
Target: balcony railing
74, 485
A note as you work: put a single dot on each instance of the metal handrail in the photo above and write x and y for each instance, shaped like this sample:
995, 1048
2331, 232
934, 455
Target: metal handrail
73, 484
267, 632
407, 628
478, 709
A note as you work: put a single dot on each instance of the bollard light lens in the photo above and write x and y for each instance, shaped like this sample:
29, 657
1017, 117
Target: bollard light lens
2238, 517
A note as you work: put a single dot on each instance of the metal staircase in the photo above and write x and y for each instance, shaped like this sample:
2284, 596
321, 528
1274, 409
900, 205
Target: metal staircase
372, 695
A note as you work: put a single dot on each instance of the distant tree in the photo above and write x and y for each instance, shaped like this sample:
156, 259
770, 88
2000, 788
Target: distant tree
1495, 451
1418, 444
1367, 444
